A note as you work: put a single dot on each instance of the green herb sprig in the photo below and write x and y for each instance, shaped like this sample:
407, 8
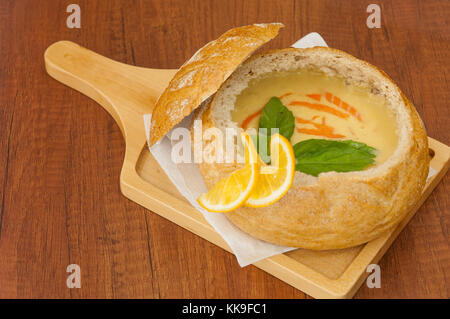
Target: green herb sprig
317, 156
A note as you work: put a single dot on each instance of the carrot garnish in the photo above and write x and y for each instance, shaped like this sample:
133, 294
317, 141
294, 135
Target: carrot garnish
249, 118
321, 129
316, 97
319, 133
336, 101
284, 95
343, 105
320, 107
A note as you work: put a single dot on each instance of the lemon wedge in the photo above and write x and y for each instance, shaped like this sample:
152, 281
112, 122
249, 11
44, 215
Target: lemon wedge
233, 191
275, 180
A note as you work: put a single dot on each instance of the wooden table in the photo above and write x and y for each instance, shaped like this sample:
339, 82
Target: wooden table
61, 154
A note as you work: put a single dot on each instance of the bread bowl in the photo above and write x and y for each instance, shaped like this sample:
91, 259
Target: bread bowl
334, 209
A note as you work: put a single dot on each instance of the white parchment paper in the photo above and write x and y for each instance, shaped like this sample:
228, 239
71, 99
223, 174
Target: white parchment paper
187, 179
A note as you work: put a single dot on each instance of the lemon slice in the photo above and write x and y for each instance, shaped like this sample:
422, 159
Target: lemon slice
275, 180
232, 192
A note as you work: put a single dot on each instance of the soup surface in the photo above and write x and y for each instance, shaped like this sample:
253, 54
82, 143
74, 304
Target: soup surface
324, 107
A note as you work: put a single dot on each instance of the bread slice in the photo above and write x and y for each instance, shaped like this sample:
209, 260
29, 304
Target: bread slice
202, 75
333, 210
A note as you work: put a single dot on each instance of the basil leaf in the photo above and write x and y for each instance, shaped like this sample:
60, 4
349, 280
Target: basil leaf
276, 115
360, 146
316, 156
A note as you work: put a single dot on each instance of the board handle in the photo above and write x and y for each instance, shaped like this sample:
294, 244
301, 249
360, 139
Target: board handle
125, 91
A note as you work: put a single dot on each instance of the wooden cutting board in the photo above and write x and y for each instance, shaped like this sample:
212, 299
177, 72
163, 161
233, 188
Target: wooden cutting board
127, 92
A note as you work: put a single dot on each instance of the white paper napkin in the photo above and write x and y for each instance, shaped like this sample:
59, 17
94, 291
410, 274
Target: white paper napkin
187, 179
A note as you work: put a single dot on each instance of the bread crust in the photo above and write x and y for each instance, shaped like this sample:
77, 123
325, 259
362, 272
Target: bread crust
202, 75
336, 210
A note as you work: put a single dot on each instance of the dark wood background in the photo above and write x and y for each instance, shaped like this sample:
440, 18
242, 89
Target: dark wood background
61, 154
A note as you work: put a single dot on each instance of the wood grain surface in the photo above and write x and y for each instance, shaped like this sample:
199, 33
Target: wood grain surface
61, 153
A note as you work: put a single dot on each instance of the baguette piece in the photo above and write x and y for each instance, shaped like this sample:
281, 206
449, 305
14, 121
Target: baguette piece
333, 210
202, 75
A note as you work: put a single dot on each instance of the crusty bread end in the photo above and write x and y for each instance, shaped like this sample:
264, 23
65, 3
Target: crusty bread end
202, 75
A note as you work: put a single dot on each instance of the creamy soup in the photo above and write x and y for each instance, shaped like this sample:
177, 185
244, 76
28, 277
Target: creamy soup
324, 107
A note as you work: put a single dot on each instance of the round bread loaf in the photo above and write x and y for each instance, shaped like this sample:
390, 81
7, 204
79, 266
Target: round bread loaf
333, 210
